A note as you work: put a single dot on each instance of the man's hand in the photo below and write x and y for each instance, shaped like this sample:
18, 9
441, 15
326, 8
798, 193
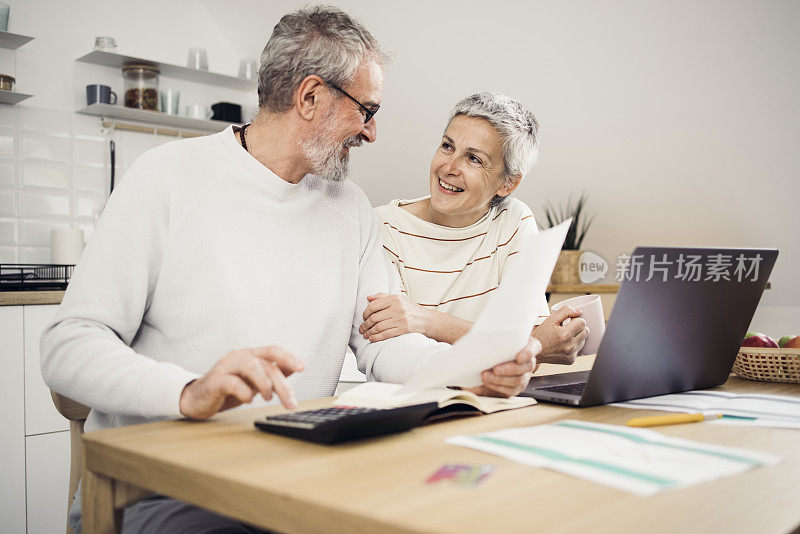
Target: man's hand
392, 315
510, 378
238, 377
563, 335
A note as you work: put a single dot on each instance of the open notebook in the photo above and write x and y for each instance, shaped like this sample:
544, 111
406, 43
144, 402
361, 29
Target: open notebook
451, 402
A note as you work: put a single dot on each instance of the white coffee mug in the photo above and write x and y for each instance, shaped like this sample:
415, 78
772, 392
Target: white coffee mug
591, 308
66, 245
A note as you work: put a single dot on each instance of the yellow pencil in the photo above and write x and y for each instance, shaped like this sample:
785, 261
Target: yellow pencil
672, 419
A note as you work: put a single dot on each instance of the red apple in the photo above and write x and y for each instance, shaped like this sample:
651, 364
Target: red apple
760, 340
793, 343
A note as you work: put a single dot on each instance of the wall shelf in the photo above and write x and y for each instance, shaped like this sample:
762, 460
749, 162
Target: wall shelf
114, 113
11, 97
109, 59
12, 41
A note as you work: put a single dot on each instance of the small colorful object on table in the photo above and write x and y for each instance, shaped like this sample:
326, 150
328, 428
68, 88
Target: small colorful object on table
461, 474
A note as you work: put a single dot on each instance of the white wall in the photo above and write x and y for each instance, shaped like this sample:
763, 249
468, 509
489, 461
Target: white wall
150, 29
54, 163
678, 118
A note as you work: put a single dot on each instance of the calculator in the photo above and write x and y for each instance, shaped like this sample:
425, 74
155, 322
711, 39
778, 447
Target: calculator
343, 423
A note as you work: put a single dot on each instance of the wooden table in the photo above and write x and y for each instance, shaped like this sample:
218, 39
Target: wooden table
378, 485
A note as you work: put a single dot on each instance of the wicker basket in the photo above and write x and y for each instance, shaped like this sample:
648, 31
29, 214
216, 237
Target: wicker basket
768, 365
567, 268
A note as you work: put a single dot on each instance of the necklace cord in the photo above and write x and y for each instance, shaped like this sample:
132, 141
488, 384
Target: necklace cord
241, 136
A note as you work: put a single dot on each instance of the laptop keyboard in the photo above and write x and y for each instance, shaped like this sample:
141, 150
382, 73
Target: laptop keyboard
569, 389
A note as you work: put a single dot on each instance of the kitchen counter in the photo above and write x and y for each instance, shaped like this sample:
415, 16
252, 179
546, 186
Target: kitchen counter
27, 298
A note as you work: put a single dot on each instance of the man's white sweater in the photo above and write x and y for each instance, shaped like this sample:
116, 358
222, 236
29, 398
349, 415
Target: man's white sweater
202, 250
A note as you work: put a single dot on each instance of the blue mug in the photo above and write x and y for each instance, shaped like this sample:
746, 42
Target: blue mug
100, 93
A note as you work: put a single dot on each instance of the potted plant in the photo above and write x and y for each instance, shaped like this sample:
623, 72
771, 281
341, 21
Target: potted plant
567, 267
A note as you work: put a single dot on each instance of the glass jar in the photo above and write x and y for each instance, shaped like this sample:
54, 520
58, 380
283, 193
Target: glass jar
7, 82
141, 86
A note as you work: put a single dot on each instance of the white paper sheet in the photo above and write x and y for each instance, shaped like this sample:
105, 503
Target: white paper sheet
761, 421
744, 409
504, 325
637, 460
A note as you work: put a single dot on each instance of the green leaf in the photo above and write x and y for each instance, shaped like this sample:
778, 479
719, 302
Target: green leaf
585, 228
580, 223
548, 211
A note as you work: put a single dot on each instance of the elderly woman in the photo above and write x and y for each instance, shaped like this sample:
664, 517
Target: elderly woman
451, 248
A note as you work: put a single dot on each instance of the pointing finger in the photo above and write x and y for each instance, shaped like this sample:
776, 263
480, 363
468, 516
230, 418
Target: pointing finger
281, 386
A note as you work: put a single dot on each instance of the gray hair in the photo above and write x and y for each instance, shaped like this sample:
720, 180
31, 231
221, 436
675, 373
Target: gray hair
517, 128
320, 40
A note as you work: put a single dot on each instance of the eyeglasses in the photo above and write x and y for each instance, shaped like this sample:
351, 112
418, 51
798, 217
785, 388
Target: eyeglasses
368, 113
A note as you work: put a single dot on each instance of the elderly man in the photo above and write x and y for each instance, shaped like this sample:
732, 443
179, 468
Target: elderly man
248, 240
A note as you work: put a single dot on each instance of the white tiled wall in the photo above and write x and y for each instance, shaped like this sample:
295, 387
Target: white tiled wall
55, 172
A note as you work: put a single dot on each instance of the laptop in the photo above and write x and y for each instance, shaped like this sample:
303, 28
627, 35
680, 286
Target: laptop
677, 325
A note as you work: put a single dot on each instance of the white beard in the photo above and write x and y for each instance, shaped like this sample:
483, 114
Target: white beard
326, 155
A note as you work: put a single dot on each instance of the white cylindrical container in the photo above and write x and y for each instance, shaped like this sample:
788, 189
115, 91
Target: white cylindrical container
66, 245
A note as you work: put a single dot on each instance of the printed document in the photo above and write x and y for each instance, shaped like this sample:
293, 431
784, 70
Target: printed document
504, 326
636, 460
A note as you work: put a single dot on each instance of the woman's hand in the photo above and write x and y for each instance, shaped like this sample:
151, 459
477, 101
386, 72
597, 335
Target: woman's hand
393, 315
563, 335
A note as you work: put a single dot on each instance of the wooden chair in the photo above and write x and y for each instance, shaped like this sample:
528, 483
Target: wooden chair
76, 413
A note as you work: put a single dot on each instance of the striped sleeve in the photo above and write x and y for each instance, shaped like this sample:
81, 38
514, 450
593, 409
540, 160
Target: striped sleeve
391, 247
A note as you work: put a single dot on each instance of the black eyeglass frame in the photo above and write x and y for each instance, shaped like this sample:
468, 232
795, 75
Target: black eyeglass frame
368, 113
